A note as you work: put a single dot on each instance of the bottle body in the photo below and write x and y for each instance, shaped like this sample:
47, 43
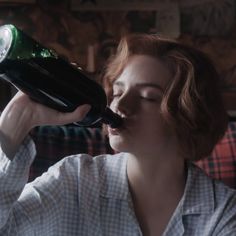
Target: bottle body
47, 78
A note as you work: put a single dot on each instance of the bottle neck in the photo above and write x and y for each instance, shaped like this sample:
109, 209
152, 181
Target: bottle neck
111, 118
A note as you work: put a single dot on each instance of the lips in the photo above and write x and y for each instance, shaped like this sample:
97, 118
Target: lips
118, 130
126, 125
114, 131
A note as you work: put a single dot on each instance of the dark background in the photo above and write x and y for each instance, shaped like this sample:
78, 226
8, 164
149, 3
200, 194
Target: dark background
209, 26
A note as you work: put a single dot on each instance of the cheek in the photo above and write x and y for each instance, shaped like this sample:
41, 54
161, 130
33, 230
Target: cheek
121, 144
150, 117
152, 125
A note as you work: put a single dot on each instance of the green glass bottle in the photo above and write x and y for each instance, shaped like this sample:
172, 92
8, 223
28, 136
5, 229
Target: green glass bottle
49, 79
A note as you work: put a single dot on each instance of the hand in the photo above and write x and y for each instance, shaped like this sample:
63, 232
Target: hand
22, 114
35, 114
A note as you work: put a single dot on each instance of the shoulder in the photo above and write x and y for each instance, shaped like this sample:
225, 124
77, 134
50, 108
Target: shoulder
103, 175
213, 199
88, 161
106, 164
225, 208
84, 164
208, 186
217, 187
84, 169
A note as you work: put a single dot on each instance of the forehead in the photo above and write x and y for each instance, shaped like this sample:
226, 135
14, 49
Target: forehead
144, 69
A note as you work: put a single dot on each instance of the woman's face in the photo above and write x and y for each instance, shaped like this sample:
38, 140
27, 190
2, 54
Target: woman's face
137, 95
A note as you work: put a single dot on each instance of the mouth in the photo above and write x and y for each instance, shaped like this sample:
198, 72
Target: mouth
115, 131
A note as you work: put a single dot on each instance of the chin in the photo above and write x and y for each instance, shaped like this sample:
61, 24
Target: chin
118, 145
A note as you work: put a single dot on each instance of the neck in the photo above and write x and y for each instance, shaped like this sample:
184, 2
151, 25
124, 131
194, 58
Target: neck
156, 185
161, 175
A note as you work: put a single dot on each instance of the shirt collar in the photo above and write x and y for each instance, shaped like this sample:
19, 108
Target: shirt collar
113, 178
198, 197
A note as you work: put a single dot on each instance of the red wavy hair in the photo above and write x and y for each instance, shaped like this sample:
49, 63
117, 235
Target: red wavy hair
192, 103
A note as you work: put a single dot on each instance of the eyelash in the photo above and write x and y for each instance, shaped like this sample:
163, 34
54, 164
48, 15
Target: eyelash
141, 97
148, 99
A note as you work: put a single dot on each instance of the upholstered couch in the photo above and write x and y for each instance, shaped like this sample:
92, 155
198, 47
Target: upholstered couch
55, 142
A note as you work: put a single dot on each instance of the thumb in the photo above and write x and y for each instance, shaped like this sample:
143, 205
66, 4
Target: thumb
77, 115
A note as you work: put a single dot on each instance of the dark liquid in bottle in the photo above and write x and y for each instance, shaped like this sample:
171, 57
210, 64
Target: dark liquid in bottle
55, 83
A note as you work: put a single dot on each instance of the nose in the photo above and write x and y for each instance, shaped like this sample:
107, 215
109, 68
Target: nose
124, 105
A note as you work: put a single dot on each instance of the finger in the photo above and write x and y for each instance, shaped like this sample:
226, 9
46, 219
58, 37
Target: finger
77, 115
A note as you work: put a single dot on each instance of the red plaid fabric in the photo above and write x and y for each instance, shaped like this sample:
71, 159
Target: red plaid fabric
221, 164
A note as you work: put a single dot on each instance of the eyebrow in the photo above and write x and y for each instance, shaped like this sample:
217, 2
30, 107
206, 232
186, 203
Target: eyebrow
121, 84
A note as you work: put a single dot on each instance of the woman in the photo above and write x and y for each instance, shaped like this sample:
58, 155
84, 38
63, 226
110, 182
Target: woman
168, 97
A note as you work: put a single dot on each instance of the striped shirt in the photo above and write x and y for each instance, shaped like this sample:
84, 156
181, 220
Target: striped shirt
89, 196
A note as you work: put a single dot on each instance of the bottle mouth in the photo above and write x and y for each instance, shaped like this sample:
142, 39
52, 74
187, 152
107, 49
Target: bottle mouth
5, 41
111, 118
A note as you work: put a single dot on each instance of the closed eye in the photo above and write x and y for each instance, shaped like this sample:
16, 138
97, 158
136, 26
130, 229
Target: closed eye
148, 99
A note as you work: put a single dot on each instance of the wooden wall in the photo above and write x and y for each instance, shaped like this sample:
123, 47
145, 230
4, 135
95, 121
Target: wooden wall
71, 33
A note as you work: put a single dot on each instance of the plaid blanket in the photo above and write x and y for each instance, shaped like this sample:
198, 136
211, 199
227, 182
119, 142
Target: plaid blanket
221, 164
56, 142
